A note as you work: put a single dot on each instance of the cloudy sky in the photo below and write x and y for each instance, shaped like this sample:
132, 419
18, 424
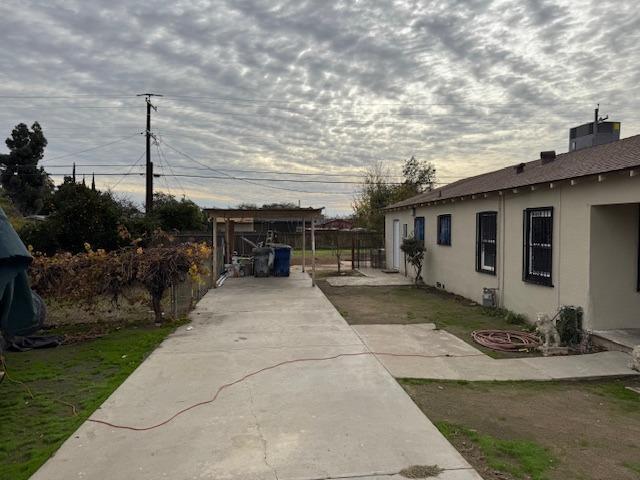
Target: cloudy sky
323, 87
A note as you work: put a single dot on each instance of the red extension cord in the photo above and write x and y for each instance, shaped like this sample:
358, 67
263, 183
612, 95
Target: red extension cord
256, 372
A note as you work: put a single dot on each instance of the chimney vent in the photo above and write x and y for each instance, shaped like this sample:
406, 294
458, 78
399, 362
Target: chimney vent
520, 167
548, 156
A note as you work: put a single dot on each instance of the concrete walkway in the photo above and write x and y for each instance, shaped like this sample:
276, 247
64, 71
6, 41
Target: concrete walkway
450, 358
345, 418
372, 277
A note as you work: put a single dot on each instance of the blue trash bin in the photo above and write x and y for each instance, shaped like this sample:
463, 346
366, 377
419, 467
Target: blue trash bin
281, 260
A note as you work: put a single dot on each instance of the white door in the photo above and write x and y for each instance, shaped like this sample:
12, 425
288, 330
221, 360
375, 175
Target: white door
396, 244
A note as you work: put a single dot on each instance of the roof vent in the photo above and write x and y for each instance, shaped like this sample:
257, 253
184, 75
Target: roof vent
548, 156
519, 168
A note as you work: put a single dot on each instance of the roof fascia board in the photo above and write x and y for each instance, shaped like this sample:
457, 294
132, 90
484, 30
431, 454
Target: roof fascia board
600, 177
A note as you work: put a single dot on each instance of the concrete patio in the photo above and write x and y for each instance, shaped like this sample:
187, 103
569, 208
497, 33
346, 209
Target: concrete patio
371, 277
446, 357
342, 418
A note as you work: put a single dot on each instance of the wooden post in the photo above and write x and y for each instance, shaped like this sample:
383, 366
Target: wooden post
313, 252
232, 238
304, 242
214, 253
227, 252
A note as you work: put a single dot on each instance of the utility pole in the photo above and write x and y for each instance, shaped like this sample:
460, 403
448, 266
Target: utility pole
149, 189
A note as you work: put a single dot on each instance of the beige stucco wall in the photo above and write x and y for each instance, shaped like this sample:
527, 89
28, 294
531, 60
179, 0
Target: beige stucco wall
453, 267
613, 269
574, 259
405, 217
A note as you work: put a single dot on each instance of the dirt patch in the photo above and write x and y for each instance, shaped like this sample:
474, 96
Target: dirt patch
407, 304
591, 430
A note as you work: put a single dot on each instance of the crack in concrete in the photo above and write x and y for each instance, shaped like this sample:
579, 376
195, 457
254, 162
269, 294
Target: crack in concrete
262, 439
377, 474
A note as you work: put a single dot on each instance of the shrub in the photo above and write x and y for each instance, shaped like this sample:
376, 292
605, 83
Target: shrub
79, 215
414, 250
86, 275
569, 325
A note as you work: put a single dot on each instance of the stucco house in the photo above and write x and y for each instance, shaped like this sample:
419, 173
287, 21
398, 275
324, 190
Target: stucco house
559, 230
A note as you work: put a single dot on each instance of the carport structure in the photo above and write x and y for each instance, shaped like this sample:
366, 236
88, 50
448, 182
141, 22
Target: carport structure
229, 215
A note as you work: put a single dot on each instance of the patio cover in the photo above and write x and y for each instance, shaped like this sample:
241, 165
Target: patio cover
300, 214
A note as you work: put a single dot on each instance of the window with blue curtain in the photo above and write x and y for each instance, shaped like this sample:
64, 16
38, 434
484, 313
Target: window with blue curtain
444, 229
418, 228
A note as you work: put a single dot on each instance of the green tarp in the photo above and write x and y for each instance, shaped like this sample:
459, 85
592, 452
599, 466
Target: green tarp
20, 312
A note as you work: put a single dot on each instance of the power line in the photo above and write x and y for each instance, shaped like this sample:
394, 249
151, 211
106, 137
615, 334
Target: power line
212, 99
166, 161
89, 96
244, 180
93, 148
228, 177
166, 182
128, 172
220, 177
222, 169
74, 107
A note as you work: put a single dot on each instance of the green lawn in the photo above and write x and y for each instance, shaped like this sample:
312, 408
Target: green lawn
519, 458
324, 256
82, 374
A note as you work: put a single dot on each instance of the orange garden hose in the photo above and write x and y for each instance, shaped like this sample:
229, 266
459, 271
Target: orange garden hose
506, 340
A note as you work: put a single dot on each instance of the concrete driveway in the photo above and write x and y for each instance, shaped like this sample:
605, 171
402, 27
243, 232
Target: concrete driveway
344, 418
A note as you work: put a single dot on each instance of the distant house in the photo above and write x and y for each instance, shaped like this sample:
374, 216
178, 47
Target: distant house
240, 225
335, 224
560, 230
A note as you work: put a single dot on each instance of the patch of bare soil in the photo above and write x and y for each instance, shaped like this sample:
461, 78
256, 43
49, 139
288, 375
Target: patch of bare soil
360, 305
592, 427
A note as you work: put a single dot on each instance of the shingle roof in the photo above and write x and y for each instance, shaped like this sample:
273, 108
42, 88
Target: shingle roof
610, 157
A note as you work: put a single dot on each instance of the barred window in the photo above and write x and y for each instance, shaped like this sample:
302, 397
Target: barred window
486, 242
538, 245
444, 229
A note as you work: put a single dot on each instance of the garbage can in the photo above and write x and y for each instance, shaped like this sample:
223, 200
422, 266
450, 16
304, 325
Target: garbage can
282, 260
262, 261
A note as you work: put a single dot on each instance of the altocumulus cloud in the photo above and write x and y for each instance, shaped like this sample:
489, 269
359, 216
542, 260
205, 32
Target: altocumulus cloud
327, 87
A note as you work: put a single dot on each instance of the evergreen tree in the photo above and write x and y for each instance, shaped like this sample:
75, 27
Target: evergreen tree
28, 185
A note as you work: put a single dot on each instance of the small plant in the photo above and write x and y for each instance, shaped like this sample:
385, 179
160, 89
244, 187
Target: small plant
510, 317
515, 318
414, 250
494, 311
